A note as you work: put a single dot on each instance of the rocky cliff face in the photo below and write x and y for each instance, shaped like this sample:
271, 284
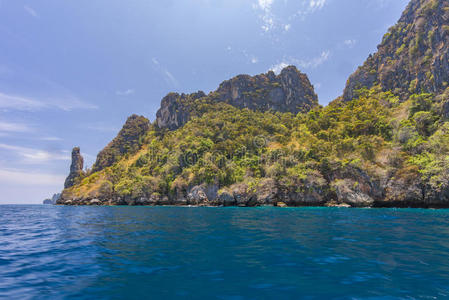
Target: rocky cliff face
76, 168
127, 140
176, 109
290, 91
413, 56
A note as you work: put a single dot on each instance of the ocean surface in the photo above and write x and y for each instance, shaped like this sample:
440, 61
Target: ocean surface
52, 252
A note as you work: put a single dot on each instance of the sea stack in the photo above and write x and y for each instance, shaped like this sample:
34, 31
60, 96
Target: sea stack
76, 168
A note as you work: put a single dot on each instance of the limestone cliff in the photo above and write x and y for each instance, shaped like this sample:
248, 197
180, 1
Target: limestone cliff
413, 55
290, 91
127, 140
76, 168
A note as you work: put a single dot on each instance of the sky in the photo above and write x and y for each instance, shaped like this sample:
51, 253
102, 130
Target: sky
72, 71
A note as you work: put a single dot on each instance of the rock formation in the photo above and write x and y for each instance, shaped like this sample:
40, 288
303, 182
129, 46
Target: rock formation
127, 140
380, 150
53, 199
413, 56
175, 110
290, 91
76, 168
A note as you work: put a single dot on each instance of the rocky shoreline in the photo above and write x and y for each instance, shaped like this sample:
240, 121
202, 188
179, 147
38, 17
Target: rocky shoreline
340, 193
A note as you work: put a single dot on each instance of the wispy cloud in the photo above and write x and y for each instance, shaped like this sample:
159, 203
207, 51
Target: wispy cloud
316, 4
301, 63
266, 14
271, 20
31, 11
51, 139
15, 102
314, 62
350, 43
101, 127
14, 127
125, 92
31, 155
26, 178
279, 67
168, 76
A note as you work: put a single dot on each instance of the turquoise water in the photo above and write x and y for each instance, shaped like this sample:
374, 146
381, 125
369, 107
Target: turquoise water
49, 252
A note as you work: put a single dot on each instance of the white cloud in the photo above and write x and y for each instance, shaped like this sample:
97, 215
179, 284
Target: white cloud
14, 127
101, 128
304, 64
51, 139
314, 62
278, 67
254, 60
266, 16
265, 4
350, 43
309, 7
31, 11
22, 103
31, 155
125, 92
26, 178
316, 4
168, 76
272, 21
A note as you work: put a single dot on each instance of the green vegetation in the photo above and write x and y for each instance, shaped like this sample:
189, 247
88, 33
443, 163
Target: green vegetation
224, 145
384, 142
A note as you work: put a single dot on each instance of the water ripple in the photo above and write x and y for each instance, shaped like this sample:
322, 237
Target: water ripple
222, 253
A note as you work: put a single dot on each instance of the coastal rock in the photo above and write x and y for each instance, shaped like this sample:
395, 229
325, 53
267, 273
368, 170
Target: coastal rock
336, 204
197, 196
226, 199
76, 168
243, 195
53, 199
402, 192
95, 202
267, 192
352, 193
310, 191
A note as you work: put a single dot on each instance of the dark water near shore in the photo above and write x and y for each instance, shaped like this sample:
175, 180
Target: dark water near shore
49, 252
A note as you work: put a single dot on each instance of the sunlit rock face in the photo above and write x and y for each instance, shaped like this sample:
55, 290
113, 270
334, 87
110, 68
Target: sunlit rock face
413, 56
76, 168
290, 91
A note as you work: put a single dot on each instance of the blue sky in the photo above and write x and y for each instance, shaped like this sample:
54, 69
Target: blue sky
72, 71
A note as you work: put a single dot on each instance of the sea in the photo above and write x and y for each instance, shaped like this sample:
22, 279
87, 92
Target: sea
57, 252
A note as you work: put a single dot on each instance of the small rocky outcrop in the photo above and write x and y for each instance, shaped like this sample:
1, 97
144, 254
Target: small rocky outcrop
413, 56
350, 192
290, 91
76, 168
311, 191
53, 200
